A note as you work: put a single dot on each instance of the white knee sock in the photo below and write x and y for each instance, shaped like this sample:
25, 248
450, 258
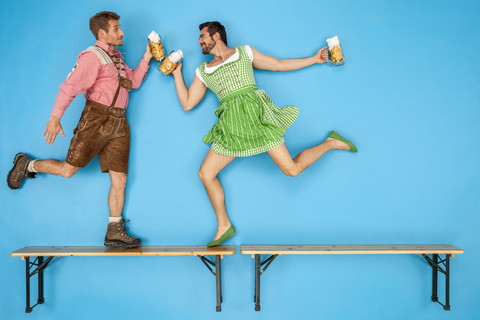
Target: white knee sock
30, 166
114, 219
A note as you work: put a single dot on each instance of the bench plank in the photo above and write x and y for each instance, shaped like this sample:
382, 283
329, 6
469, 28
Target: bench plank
119, 251
352, 249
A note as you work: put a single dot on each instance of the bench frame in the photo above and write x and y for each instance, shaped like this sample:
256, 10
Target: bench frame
214, 266
41, 265
438, 265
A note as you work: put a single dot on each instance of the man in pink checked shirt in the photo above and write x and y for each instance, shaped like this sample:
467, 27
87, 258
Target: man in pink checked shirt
102, 76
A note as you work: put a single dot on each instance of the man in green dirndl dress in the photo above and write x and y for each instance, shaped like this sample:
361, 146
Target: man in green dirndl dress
248, 121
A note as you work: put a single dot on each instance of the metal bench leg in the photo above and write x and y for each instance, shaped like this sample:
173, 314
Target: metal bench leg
41, 265
436, 263
447, 283
28, 309
258, 272
40, 299
257, 282
435, 279
218, 276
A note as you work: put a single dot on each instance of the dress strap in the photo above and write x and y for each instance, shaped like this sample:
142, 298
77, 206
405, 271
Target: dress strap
242, 52
201, 68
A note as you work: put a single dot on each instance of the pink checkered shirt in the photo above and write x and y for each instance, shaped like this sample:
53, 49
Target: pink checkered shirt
96, 81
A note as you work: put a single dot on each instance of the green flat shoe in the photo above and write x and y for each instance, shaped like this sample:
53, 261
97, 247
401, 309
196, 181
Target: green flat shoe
337, 136
230, 232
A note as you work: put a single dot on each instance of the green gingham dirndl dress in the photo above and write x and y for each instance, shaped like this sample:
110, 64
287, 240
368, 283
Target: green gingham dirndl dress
249, 122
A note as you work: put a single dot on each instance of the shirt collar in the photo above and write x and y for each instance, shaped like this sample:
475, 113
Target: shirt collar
106, 47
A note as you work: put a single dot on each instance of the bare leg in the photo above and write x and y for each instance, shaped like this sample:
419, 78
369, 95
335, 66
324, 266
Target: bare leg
211, 166
117, 232
116, 197
55, 167
293, 167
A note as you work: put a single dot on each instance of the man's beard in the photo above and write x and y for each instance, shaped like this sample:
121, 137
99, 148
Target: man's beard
208, 48
116, 42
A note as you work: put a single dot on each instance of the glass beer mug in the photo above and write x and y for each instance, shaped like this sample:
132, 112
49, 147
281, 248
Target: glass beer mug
171, 62
336, 55
157, 47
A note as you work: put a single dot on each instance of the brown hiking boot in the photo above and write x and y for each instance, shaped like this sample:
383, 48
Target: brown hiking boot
117, 236
19, 171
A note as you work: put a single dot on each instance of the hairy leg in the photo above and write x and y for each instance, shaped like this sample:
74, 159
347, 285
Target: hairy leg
211, 166
116, 197
59, 168
293, 167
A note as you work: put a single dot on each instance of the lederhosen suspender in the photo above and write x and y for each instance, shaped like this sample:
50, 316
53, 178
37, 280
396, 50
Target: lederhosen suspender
106, 57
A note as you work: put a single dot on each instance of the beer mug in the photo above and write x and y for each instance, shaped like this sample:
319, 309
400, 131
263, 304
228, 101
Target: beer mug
335, 51
171, 62
157, 47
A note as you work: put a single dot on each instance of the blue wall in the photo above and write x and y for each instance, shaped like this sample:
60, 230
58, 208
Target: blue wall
408, 96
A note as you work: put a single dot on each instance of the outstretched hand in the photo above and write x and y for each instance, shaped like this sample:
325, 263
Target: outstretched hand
53, 127
322, 55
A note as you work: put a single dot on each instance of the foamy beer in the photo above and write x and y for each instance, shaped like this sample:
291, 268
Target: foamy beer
336, 55
171, 62
156, 45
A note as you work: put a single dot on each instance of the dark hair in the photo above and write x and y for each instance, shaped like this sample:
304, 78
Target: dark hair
214, 27
100, 21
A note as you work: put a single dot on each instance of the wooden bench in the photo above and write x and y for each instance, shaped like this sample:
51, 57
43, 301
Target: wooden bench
424, 250
39, 253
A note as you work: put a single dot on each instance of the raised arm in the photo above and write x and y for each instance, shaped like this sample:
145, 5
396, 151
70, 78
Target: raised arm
138, 75
264, 62
189, 98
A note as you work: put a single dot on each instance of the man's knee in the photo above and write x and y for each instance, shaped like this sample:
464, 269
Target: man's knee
68, 170
291, 171
119, 179
204, 175
201, 175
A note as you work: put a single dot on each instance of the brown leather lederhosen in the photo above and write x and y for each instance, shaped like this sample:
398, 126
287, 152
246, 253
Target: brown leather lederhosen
102, 130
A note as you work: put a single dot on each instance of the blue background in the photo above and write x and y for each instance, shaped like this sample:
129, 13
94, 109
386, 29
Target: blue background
408, 96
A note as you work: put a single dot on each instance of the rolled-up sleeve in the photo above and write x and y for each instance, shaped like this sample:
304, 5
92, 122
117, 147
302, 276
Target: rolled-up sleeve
82, 77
